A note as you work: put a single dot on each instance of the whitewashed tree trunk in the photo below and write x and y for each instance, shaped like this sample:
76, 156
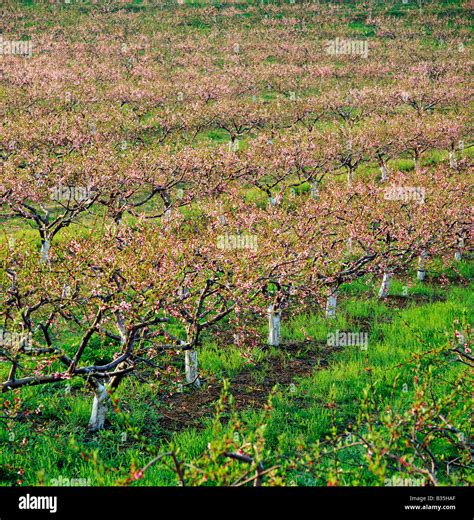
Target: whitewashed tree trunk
416, 160
384, 172
315, 189
452, 159
168, 213
234, 145
45, 249
421, 273
274, 326
99, 408
331, 304
458, 253
350, 177
191, 367
385, 286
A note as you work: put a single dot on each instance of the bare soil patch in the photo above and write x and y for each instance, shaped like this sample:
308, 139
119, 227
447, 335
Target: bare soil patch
250, 388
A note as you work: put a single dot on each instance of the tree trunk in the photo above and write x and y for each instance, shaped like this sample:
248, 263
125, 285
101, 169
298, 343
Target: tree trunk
315, 189
191, 367
384, 172
458, 253
331, 304
45, 248
385, 287
233, 144
416, 160
274, 326
99, 408
452, 158
350, 177
421, 273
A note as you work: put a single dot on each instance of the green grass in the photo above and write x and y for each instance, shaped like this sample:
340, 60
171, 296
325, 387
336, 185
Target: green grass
57, 435
221, 362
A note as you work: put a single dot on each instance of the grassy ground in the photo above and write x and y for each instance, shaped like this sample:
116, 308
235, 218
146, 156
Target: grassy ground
319, 390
